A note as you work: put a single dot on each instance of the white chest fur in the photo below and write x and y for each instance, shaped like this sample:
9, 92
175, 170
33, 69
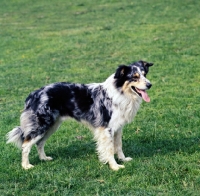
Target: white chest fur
124, 106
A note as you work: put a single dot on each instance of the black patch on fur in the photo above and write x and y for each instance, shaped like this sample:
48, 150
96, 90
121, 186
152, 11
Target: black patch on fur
121, 75
110, 132
102, 105
143, 65
69, 99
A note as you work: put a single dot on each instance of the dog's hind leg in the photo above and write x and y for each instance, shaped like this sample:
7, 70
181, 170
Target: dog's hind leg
40, 144
105, 147
35, 128
118, 146
26, 148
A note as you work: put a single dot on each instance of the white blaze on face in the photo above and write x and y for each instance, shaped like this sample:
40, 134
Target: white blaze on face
142, 78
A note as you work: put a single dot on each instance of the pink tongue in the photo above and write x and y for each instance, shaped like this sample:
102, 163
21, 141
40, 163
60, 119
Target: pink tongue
144, 95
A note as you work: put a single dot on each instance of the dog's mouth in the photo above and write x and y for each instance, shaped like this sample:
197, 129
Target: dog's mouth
141, 93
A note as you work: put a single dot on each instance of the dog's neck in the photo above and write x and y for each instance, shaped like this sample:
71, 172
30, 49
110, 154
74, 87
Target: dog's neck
127, 104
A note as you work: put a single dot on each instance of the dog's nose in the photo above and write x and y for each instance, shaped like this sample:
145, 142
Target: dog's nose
148, 85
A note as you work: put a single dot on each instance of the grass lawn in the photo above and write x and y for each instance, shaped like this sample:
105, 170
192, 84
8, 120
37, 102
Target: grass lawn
43, 41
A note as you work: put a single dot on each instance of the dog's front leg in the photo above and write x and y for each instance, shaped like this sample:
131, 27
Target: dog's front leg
105, 147
118, 146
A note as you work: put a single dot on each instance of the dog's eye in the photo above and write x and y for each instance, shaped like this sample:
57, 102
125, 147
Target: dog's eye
136, 76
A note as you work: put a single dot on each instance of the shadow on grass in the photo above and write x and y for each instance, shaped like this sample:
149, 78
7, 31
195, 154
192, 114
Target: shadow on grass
139, 148
134, 148
148, 148
76, 150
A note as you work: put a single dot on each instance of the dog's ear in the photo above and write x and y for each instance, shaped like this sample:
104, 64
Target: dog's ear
121, 71
146, 63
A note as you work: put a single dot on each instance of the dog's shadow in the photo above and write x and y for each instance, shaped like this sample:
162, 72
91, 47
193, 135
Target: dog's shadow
75, 150
133, 148
149, 148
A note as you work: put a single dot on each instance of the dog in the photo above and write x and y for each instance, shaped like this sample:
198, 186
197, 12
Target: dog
106, 107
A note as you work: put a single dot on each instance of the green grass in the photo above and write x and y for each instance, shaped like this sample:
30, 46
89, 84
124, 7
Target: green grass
42, 42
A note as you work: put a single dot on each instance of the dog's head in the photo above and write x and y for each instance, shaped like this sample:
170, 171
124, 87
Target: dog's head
132, 79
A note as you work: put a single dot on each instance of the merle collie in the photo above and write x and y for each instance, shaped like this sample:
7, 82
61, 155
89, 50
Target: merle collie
106, 107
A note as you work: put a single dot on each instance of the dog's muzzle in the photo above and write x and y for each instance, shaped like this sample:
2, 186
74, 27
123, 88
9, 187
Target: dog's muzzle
148, 85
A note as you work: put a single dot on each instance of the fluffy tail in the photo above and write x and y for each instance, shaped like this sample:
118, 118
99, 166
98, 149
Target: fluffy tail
15, 136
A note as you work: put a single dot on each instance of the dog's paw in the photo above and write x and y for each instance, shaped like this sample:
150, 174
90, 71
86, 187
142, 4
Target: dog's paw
116, 167
127, 159
27, 166
49, 159
46, 158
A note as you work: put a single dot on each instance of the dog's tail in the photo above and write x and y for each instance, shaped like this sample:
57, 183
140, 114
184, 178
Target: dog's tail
15, 137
